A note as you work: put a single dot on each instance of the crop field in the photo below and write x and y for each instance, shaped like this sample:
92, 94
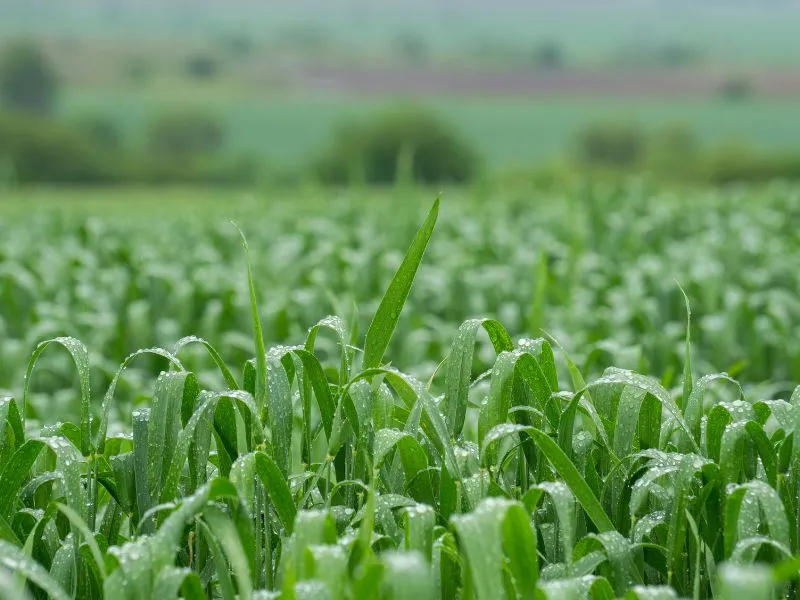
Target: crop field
505, 393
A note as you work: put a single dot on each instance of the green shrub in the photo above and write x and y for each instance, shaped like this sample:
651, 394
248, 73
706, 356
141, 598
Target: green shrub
185, 136
136, 69
735, 89
616, 144
734, 162
28, 82
43, 149
201, 66
102, 132
237, 45
673, 152
401, 144
37, 150
412, 48
548, 55
220, 171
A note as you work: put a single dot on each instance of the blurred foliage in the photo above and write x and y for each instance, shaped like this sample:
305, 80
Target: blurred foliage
673, 153
28, 82
736, 162
618, 144
201, 66
43, 149
237, 45
102, 132
182, 135
181, 148
407, 143
137, 69
412, 48
548, 55
736, 89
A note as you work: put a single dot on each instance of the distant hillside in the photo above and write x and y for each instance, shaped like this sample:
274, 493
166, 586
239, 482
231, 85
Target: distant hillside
746, 30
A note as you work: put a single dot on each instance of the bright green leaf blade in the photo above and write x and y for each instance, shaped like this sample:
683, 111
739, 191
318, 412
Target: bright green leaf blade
388, 313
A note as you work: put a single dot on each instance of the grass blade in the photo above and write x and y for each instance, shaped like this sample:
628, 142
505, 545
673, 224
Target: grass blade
388, 313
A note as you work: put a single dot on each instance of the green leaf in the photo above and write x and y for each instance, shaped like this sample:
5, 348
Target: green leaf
258, 334
80, 356
15, 560
563, 466
108, 398
688, 381
15, 472
480, 534
519, 544
226, 534
752, 582
230, 380
459, 367
80, 525
407, 576
419, 523
388, 313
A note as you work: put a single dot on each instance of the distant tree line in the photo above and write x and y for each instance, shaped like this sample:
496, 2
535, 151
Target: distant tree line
406, 144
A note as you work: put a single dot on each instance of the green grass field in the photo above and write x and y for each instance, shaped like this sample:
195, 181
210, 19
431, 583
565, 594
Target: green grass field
512, 131
512, 403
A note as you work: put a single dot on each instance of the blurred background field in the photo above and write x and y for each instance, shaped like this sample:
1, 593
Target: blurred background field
271, 84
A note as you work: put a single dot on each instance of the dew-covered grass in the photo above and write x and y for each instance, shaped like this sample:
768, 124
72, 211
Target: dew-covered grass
513, 401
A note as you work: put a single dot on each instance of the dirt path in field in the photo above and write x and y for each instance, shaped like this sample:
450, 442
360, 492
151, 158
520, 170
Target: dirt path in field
394, 80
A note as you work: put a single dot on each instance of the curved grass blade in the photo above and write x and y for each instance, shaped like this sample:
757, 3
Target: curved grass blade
80, 356
459, 367
100, 439
230, 380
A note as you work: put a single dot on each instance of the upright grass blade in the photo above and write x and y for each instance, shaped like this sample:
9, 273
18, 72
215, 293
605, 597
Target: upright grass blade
12, 430
388, 313
407, 576
15, 472
221, 526
258, 334
480, 534
519, 544
688, 381
88, 536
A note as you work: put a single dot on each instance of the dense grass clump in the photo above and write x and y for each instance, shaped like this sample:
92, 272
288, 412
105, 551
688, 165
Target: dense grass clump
324, 472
